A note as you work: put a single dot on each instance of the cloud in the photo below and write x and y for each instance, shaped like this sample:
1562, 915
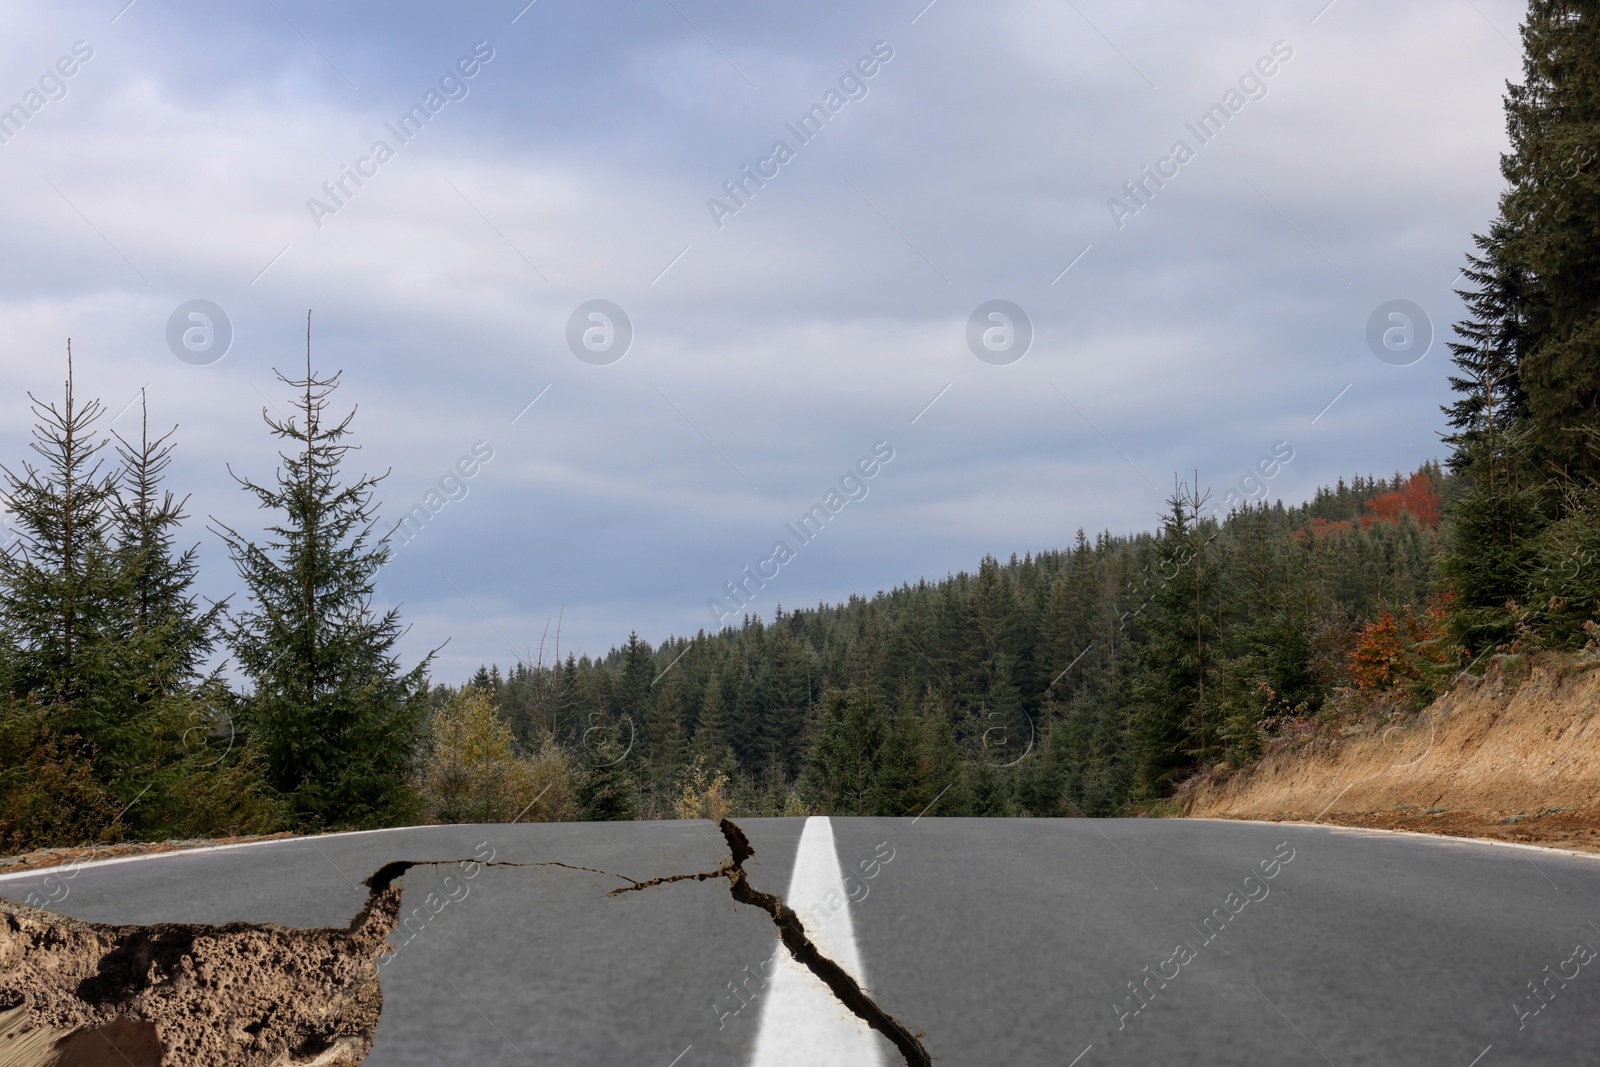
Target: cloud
821, 318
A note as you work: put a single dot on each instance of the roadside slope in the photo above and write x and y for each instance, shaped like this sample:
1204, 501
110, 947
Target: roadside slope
1513, 755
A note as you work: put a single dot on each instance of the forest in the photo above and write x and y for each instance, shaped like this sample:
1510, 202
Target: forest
1089, 680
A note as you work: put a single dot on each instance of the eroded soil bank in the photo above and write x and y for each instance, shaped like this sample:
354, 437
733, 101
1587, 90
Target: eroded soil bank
78, 994
1513, 755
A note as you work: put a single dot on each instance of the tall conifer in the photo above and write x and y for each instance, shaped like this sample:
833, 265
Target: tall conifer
336, 716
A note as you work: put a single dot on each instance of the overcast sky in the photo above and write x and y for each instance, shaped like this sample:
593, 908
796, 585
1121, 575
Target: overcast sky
1203, 321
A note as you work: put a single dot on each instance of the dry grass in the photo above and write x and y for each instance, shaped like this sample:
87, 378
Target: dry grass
1512, 755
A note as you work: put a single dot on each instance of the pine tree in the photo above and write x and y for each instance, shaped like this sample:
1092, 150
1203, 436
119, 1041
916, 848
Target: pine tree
336, 717
633, 683
165, 637
664, 722
147, 518
946, 775
167, 634
783, 693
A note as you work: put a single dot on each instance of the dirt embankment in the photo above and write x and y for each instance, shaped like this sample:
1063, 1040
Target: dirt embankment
1512, 755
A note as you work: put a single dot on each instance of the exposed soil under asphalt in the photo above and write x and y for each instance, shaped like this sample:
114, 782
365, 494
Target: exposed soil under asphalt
173, 995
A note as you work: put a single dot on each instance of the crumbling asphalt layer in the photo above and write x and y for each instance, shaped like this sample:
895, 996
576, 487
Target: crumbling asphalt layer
79, 994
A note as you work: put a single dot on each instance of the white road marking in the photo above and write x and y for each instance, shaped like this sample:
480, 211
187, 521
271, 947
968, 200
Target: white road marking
802, 1023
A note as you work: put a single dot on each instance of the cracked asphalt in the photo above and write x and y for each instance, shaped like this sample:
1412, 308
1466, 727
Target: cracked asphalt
1001, 941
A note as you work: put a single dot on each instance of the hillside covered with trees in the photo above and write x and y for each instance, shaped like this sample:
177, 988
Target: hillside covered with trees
1085, 680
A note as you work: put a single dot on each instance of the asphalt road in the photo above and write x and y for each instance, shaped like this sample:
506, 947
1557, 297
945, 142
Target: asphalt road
1001, 941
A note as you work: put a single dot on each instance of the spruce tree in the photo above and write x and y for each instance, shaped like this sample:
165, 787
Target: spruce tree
165, 637
633, 684
60, 581
1552, 208
67, 601
606, 790
162, 606
1172, 721
900, 787
990, 790
842, 769
947, 779
336, 717
1493, 339
783, 697
1490, 559
711, 731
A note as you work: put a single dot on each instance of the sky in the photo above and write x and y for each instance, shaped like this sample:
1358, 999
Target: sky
1015, 267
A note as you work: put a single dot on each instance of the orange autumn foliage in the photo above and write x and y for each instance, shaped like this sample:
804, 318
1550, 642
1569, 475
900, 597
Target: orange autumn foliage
1416, 498
1391, 653
1379, 661
1323, 528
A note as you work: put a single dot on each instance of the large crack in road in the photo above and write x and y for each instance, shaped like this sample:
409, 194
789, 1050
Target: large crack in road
81, 994
792, 934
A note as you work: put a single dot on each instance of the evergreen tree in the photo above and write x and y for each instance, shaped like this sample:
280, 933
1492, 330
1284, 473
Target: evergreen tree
1552, 210
336, 717
1564, 589
1493, 547
1041, 780
633, 683
901, 785
946, 777
1494, 337
605, 790
1175, 660
989, 789
841, 773
711, 731
60, 582
783, 694
664, 723
110, 675
163, 609
165, 637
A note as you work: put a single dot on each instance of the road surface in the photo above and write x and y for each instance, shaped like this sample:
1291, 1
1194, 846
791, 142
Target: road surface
1015, 942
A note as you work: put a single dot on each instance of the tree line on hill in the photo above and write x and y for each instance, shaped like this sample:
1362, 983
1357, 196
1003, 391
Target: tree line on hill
1064, 682
1092, 680
1089, 680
